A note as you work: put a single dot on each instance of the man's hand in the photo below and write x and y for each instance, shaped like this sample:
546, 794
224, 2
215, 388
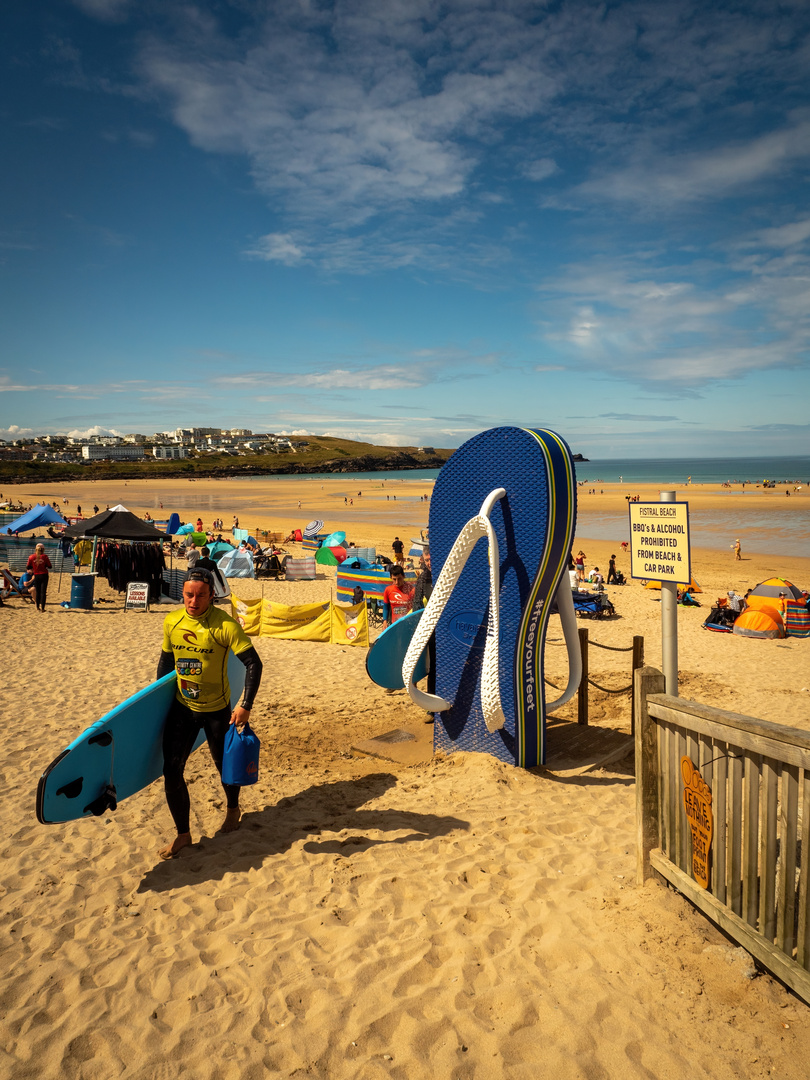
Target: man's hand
240, 717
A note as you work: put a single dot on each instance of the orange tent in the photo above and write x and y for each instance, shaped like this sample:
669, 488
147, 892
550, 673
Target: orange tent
657, 585
760, 622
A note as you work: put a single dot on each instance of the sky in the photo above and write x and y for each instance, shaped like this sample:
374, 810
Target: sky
404, 222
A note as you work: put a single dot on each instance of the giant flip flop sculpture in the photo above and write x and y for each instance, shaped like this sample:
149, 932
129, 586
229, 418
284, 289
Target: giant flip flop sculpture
491, 603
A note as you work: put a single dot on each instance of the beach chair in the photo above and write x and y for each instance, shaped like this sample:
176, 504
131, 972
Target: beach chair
11, 588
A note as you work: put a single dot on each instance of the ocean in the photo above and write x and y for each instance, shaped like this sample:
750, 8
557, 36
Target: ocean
751, 470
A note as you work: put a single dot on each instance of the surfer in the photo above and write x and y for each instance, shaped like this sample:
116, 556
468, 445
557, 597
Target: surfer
195, 645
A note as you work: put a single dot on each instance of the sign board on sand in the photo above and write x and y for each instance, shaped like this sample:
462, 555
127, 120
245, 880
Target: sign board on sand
137, 596
659, 542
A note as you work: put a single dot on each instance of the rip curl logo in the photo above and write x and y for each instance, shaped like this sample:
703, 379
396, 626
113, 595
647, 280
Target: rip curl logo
252, 767
190, 637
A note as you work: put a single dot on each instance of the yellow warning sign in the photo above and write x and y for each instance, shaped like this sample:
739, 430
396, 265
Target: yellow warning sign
659, 542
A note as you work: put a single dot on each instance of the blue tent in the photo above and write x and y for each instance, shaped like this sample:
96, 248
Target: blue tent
36, 518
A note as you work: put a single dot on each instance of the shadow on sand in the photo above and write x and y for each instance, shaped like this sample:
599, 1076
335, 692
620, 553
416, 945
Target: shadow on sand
322, 808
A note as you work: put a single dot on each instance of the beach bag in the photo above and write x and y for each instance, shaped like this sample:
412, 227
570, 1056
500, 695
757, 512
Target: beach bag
240, 759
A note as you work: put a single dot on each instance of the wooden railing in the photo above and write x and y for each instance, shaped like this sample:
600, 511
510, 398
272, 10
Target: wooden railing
758, 777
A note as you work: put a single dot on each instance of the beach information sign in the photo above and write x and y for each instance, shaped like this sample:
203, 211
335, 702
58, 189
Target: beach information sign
659, 544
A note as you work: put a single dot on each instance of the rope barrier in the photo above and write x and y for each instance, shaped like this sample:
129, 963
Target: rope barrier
611, 648
605, 690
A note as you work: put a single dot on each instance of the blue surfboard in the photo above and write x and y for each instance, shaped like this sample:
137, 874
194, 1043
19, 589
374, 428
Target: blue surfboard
118, 755
384, 658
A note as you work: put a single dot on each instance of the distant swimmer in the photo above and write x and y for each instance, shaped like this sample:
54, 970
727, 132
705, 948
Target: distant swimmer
195, 645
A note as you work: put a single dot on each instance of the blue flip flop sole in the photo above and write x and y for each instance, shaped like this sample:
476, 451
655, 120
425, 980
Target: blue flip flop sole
534, 525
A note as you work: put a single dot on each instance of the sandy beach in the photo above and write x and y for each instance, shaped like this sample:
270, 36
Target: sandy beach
452, 918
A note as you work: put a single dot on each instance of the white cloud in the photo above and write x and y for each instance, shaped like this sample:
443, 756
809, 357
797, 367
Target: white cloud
9, 434
86, 433
540, 169
106, 10
782, 236
276, 247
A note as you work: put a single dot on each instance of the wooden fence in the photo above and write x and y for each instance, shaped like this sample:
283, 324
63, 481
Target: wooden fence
751, 810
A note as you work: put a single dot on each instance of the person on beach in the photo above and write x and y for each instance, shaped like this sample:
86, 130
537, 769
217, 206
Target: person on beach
205, 562
192, 555
398, 549
579, 565
195, 645
737, 551
611, 578
39, 564
421, 594
398, 596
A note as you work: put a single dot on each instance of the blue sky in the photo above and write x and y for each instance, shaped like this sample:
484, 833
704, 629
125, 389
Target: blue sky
404, 221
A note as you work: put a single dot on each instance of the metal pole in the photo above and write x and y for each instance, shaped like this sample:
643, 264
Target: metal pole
669, 623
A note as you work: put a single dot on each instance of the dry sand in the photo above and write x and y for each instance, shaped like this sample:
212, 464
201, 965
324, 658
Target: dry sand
457, 918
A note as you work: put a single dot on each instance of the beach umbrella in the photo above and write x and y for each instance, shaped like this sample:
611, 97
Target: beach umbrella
313, 527
335, 539
330, 556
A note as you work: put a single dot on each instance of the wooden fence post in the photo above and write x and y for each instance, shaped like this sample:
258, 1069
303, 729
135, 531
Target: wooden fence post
647, 681
582, 693
638, 662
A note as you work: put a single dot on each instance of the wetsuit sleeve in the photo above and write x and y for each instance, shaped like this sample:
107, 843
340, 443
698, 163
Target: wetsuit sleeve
253, 676
165, 664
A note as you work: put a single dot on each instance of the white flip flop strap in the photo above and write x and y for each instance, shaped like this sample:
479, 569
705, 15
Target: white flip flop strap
568, 619
466, 540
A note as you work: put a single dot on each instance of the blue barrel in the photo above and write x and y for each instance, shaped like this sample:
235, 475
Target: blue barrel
81, 590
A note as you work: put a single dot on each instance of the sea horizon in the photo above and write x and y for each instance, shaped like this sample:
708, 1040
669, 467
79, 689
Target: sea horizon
748, 470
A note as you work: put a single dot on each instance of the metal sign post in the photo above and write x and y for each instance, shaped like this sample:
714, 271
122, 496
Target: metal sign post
660, 551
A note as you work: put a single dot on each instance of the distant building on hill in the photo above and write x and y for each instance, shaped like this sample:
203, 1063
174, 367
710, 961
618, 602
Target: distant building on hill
165, 453
112, 453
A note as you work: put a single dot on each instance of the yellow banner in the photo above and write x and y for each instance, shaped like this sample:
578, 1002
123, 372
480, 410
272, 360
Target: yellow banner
303, 622
297, 622
350, 625
248, 613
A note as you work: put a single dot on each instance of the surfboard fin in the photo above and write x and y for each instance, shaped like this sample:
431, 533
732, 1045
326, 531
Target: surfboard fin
107, 800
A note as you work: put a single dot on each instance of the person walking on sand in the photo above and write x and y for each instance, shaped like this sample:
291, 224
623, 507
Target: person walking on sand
737, 551
39, 564
195, 645
579, 565
398, 549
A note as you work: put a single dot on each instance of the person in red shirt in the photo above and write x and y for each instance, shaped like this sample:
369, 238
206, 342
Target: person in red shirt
39, 564
398, 596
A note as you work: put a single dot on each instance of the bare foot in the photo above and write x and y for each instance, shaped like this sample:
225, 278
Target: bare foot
176, 846
232, 820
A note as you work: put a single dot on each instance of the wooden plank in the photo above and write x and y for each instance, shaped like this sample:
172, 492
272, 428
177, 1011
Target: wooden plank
803, 939
669, 778
582, 693
750, 855
720, 841
786, 875
769, 794
660, 704
661, 741
769, 956
778, 749
683, 839
648, 681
